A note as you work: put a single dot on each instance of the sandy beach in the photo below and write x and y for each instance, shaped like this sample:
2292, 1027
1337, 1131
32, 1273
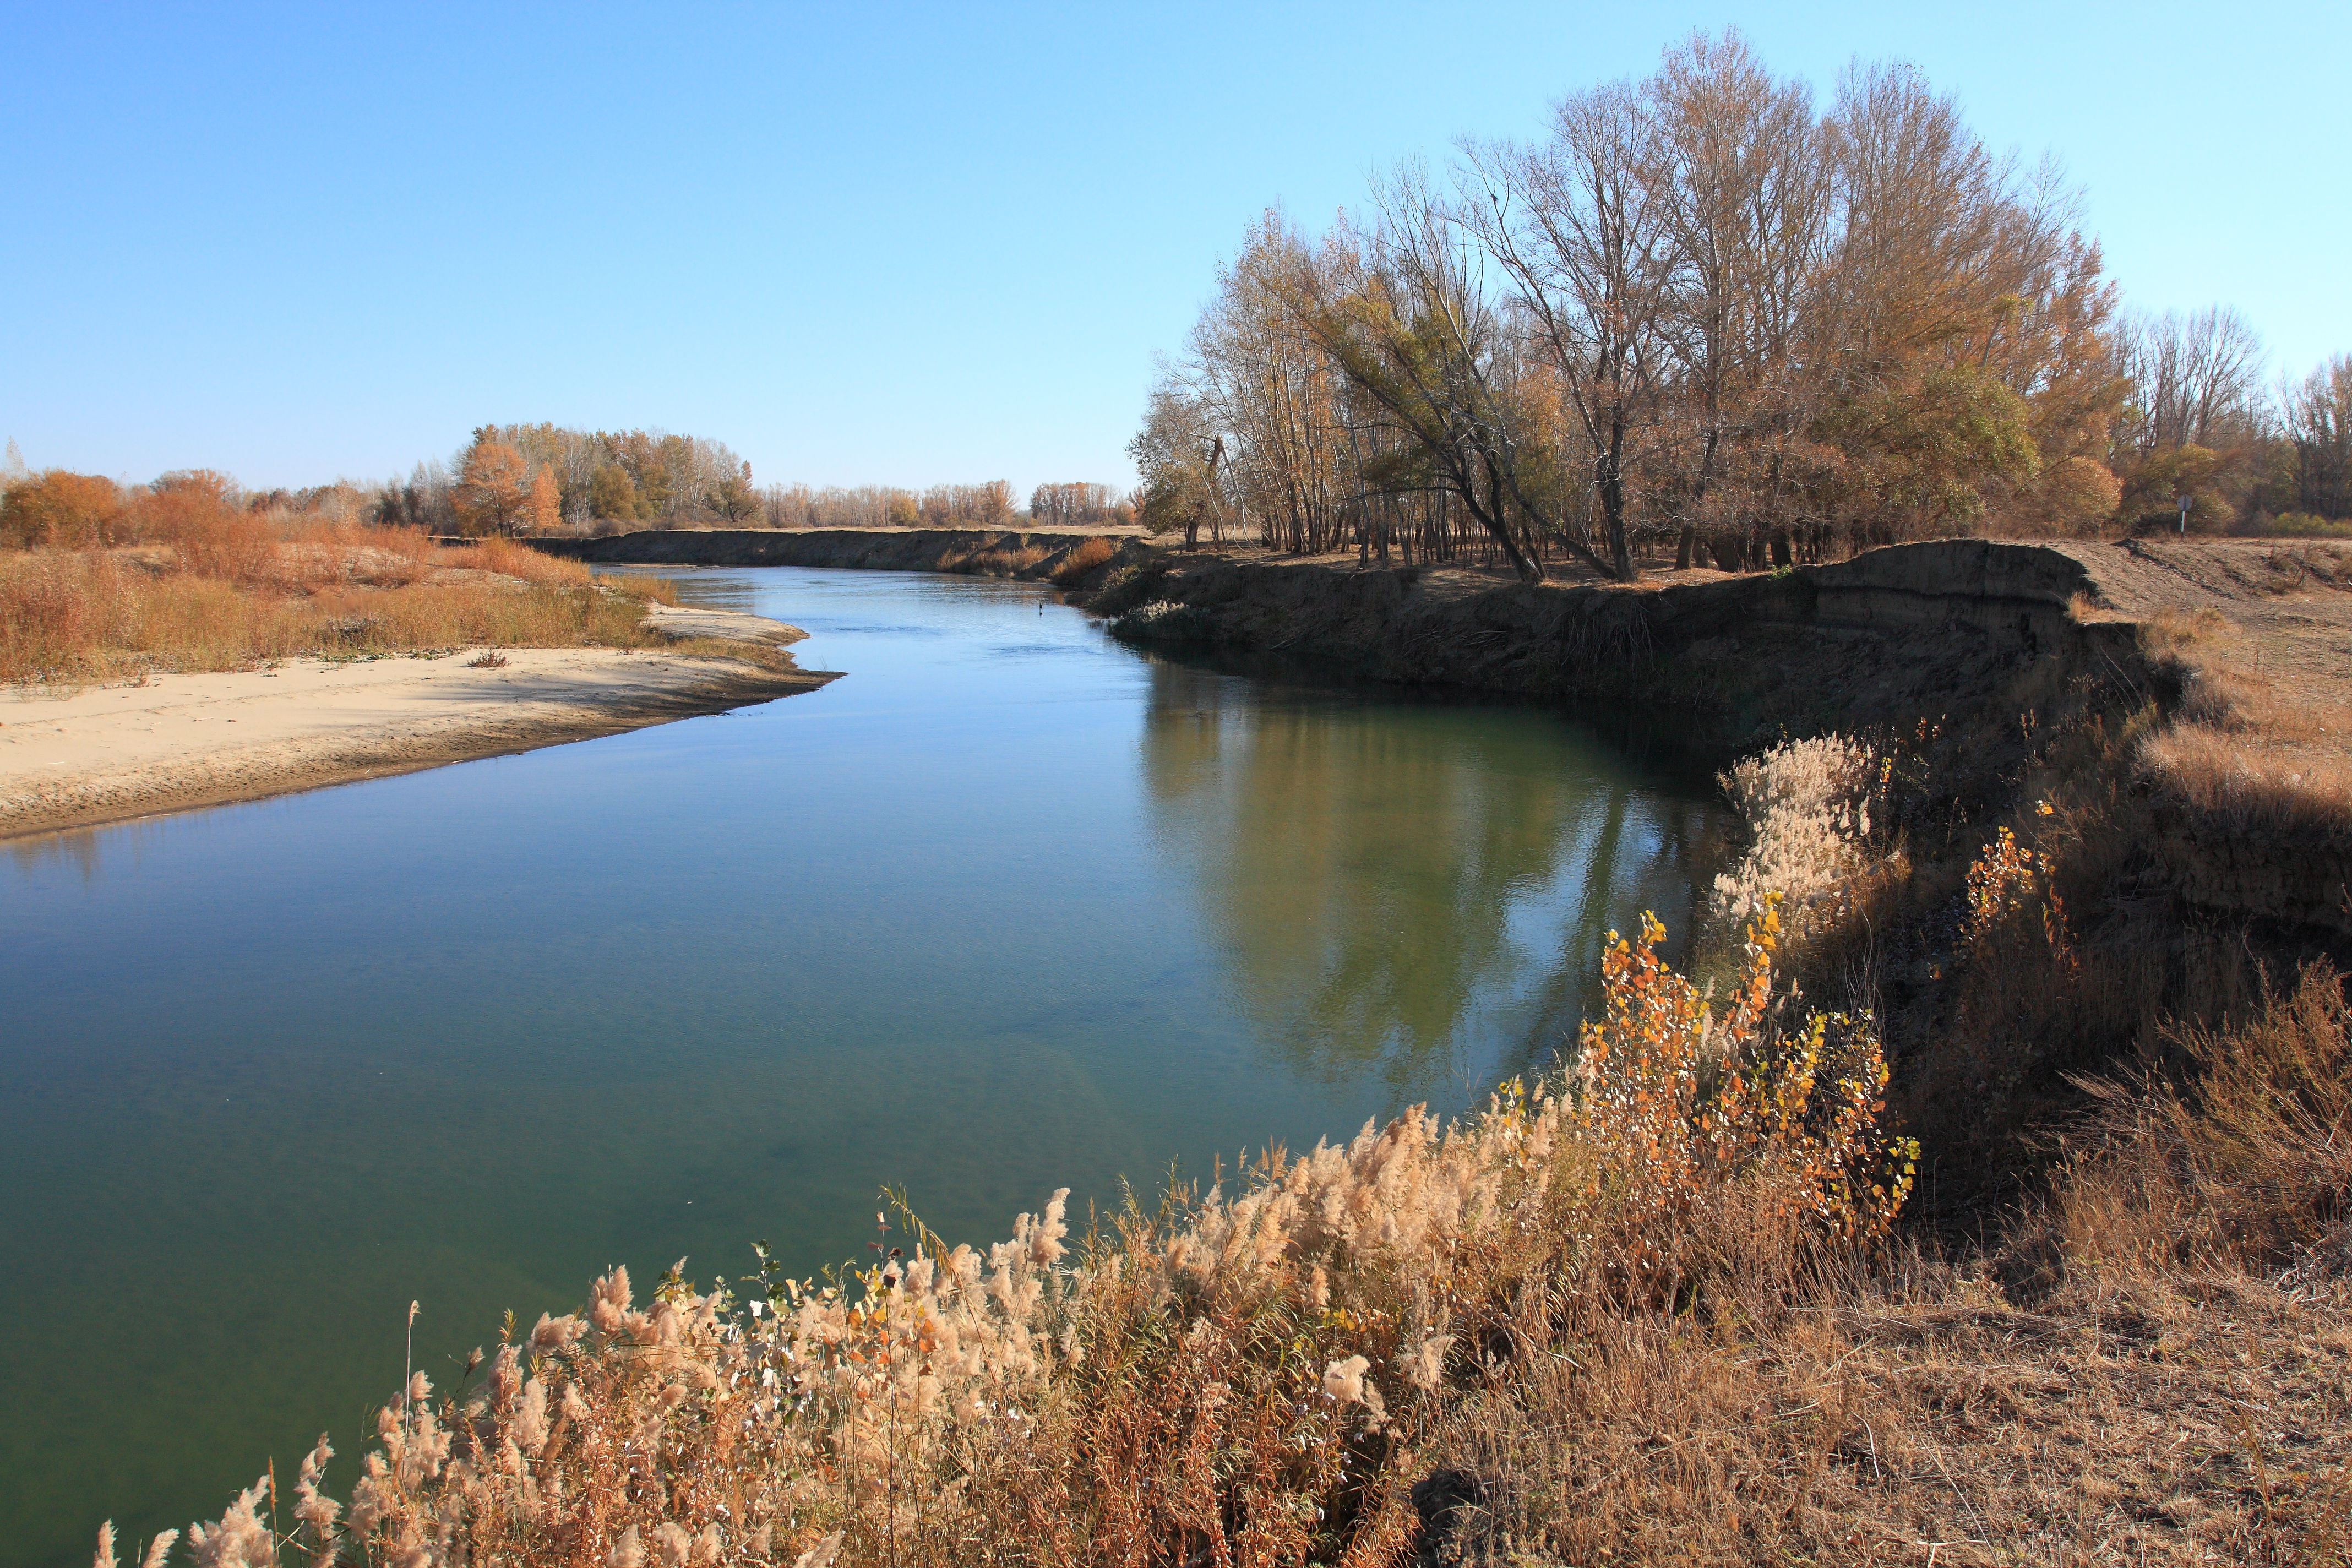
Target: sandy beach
105, 753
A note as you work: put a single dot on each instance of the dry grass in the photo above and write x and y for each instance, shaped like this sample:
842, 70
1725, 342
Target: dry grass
2252, 783
2156, 1367
1923, 1414
2242, 1161
1087, 556
2250, 757
69, 616
995, 563
1806, 806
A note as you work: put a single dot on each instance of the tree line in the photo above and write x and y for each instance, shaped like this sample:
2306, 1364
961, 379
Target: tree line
521, 478
1704, 313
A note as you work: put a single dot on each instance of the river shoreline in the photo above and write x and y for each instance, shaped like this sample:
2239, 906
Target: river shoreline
98, 756
1027, 553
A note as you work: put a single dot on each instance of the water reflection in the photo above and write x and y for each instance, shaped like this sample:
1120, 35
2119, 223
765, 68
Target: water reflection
1417, 893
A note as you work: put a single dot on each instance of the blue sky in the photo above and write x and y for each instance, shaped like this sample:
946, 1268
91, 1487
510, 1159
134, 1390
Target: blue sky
903, 243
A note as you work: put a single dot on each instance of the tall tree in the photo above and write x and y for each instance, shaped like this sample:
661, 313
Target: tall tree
1403, 318
545, 510
2320, 423
735, 497
1580, 226
493, 490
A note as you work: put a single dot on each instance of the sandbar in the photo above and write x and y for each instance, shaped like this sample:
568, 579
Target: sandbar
106, 753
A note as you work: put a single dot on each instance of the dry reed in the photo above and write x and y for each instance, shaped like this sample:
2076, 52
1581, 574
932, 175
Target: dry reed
1230, 1379
1084, 559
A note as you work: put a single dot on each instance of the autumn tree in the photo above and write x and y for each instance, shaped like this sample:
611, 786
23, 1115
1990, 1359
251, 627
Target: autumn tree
735, 498
1275, 395
1177, 454
1748, 208
493, 493
1405, 322
61, 510
545, 511
2193, 426
1077, 504
1579, 224
1697, 308
2320, 426
613, 494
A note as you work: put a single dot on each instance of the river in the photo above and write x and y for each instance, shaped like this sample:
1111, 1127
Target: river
1009, 907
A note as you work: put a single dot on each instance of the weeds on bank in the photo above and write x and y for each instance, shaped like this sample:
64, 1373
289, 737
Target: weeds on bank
1088, 555
1650, 1311
2247, 757
1243, 1377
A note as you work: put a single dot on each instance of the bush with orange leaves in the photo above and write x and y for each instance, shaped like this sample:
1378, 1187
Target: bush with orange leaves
1707, 1101
1227, 1379
60, 510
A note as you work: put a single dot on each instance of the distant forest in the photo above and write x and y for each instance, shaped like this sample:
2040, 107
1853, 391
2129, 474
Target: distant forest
602, 481
1705, 314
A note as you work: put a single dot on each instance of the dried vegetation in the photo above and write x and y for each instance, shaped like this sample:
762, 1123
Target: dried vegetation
1657, 1311
192, 583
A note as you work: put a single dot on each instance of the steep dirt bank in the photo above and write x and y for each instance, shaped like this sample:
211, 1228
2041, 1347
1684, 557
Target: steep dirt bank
984, 551
1999, 649
1888, 637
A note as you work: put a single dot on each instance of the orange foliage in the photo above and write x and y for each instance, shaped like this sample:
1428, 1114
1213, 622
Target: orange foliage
546, 507
61, 510
493, 494
196, 513
1699, 1097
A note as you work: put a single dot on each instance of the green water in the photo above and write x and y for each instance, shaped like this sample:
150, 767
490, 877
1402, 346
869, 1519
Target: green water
1007, 908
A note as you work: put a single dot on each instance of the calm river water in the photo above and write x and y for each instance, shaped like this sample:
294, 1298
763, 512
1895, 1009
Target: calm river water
1009, 907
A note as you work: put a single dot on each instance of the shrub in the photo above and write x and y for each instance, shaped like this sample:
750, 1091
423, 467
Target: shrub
1093, 553
60, 510
1807, 808
2308, 525
197, 514
2243, 1159
1161, 620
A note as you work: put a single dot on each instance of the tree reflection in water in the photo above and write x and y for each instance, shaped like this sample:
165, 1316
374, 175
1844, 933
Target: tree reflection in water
1418, 888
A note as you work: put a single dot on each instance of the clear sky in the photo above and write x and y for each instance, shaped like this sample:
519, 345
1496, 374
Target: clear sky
902, 243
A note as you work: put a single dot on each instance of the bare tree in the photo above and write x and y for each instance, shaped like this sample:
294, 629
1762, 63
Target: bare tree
2319, 423
1748, 201
2195, 380
1580, 226
1405, 318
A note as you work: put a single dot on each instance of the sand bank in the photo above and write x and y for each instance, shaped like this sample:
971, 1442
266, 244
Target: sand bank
106, 753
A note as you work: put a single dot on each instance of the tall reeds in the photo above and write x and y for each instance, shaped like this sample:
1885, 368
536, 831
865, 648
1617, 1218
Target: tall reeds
1230, 1377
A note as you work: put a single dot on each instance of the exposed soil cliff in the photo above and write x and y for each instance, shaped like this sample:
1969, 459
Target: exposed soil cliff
1915, 631
2001, 649
982, 552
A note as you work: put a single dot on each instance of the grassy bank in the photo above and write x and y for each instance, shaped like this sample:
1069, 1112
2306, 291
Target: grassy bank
235, 598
